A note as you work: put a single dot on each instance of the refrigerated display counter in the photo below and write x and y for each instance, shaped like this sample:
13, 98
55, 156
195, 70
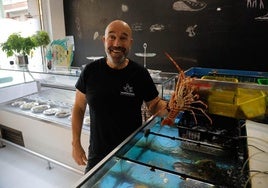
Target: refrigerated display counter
50, 105
24, 121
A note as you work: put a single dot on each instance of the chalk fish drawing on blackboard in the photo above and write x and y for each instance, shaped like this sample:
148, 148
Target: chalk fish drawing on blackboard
157, 27
190, 30
254, 4
262, 18
137, 27
188, 5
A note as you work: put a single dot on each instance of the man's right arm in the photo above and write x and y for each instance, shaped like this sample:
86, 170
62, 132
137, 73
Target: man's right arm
78, 112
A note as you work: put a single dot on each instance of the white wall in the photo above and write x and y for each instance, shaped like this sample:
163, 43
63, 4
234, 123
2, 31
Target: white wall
53, 18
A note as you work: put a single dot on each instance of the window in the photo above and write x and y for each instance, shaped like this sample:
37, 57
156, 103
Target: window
20, 16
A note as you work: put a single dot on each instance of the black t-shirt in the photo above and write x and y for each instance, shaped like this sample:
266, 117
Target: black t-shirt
114, 98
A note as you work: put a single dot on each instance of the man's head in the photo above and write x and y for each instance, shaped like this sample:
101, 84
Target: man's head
117, 41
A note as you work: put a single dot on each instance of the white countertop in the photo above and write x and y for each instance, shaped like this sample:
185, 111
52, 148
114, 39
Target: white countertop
257, 134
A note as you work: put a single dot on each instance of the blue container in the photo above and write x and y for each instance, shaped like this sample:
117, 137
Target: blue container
241, 75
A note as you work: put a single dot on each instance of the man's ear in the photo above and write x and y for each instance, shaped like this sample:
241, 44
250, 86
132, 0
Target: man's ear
103, 38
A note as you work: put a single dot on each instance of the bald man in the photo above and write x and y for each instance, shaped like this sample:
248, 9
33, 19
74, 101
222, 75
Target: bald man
114, 88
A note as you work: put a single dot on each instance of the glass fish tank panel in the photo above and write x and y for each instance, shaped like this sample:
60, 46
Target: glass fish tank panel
165, 156
121, 173
174, 155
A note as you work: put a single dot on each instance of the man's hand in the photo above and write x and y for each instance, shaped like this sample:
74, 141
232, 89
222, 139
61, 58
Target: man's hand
79, 154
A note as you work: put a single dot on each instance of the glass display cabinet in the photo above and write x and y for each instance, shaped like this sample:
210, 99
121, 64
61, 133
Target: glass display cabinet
54, 92
39, 112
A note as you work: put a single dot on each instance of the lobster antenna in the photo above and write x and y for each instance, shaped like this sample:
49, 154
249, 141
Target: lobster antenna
174, 62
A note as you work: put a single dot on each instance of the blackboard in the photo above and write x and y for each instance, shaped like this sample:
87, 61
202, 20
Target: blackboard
229, 34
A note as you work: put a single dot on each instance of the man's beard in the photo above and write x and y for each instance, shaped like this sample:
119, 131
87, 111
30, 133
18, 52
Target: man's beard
122, 54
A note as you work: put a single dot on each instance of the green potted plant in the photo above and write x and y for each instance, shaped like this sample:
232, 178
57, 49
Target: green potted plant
22, 47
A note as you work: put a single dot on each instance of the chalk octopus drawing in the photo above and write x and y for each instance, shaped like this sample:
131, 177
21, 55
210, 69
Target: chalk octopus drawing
255, 4
188, 5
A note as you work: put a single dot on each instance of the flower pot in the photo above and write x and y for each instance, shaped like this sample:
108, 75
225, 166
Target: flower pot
22, 60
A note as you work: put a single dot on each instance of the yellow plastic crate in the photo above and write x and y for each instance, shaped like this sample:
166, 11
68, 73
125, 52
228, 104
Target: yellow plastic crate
221, 95
246, 103
251, 102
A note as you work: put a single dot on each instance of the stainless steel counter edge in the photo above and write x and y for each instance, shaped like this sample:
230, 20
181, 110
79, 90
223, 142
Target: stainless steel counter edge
39, 117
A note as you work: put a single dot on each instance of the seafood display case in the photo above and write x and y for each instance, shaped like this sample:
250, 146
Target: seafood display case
51, 102
41, 115
164, 156
196, 151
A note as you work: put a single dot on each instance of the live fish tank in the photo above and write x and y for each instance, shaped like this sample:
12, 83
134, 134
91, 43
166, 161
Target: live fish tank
205, 147
182, 155
238, 94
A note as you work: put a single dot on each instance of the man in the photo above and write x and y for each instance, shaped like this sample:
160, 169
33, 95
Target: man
114, 88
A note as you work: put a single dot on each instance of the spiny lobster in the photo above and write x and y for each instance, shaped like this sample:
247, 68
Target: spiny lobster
183, 97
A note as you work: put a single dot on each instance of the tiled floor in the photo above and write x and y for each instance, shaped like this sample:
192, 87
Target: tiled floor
21, 169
